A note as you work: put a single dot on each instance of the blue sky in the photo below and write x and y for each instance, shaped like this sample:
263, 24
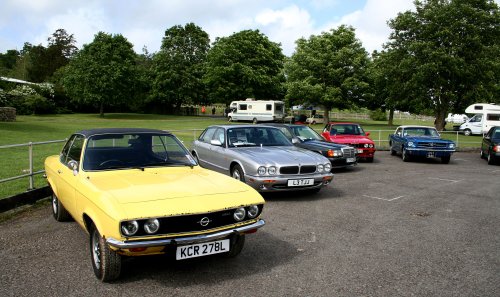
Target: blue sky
143, 23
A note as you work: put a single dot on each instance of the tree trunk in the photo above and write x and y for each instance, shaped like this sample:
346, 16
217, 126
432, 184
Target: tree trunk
101, 110
439, 122
391, 117
326, 115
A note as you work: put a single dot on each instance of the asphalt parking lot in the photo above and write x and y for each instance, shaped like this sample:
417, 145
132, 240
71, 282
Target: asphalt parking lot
387, 228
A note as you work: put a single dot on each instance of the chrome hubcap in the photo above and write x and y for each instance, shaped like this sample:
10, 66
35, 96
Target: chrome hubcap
96, 251
236, 175
54, 203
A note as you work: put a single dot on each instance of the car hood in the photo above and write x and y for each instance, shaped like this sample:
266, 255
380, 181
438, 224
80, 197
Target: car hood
350, 139
158, 192
281, 155
319, 145
427, 139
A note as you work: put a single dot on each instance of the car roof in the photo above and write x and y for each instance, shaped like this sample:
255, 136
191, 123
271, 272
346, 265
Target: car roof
99, 131
334, 123
415, 126
241, 126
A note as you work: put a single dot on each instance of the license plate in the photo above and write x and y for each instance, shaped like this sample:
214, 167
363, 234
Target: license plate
360, 151
430, 155
351, 160
300, 182
202, 249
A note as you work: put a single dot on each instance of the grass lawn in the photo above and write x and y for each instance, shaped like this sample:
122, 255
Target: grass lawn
14, 161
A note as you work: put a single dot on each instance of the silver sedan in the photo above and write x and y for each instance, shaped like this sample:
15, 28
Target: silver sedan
262, 157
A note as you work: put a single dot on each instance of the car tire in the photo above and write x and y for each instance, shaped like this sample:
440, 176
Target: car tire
105, 263
481, 153
393, 152
254, 121
237, 244
237, 173
491, 159
445, 160
58, 211
404, 155
467, 132
314, 123
229, 119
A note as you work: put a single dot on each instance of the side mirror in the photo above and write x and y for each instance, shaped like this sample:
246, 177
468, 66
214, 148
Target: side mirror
73, 165
487, 137
215, 142
295, 140
367, 133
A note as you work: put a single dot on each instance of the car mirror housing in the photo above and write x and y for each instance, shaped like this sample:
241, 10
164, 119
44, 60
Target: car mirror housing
295, 140
73, 165
215, 142
367, 133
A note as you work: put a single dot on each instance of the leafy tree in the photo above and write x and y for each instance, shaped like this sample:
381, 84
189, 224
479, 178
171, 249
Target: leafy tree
102, 73
8, 61
449, 51
178, 66
245, 64
329, 69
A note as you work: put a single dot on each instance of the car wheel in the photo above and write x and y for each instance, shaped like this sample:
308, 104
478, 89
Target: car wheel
237, 173
229, 119
405, 156
314, 122
393, 152
254, 120
237, 244
106, 263
491, 159
445, 160
60, 213
467, 132
481, 153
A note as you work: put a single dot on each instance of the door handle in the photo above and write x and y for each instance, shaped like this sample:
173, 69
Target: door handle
59, 171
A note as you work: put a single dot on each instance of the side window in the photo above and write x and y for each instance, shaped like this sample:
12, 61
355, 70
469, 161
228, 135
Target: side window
269, 107
75, 151
207, 135
493, 117
65, 150
399, 131
243, 107
286, 132
219, 135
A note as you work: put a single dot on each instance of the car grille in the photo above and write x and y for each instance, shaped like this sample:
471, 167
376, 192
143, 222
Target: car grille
431, 145
192, 223
349, 152
296, 169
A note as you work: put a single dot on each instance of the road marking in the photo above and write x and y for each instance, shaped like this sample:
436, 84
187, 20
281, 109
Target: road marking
448, 180
385, 199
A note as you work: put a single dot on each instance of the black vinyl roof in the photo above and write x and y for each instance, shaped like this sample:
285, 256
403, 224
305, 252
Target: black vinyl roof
100, 131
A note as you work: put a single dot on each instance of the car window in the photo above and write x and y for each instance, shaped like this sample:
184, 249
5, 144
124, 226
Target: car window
256, 136
399, 131
348, 129
207, 135
285, 131
417, 131
75, 149
219, 135
65, 150
306, 133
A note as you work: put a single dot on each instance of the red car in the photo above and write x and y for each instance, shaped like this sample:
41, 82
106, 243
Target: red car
353, 135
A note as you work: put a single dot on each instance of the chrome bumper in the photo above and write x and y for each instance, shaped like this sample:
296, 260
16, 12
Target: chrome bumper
183, 240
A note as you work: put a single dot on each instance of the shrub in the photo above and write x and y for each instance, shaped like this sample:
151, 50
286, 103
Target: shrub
378, 115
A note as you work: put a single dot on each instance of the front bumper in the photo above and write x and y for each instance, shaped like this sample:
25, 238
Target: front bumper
184, 240
280, 183
425, 152
342, 162
365, 152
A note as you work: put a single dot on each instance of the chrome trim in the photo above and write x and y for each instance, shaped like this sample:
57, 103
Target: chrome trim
183, 240
430, 150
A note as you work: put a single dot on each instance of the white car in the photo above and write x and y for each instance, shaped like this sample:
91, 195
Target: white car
316, 119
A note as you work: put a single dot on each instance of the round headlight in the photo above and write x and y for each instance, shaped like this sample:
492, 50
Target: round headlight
152, 226
320, 168
371, 145
452, 145
366, 145
130, 228
328, 167
411, 144
271, 170
239, 214
261, 170
253, 211
338, 153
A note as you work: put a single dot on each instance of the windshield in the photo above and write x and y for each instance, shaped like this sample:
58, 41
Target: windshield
417, 131
137, 150
256, 136
305, 133
346, 129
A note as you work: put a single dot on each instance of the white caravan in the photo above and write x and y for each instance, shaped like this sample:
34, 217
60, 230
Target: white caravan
485, 116
256, 110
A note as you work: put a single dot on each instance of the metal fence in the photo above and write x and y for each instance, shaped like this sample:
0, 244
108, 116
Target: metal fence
380, 137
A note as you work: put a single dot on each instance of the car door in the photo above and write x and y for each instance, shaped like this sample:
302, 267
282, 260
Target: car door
218, 155
397, 140
67, 180
486, 143
203, 145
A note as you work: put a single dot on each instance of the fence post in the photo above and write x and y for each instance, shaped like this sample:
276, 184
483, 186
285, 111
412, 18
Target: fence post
30, 152
379, 138
457, 138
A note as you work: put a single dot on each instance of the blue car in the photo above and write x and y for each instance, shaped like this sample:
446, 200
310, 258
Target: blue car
420, 141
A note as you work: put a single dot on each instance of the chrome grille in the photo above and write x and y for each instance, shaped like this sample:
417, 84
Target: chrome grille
431, 145
304, 169
349, 152
308, 169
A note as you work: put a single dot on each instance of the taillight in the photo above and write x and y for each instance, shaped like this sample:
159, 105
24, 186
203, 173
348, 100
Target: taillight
496, 148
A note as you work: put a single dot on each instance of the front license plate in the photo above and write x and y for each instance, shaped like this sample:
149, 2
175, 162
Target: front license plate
360, 151
300, 182
202, 249
430, 155
351, 160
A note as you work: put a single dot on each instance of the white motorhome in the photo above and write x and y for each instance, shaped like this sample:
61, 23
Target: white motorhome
256, 110
485, 116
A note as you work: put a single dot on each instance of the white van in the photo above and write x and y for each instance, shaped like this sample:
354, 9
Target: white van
485, 116
256, 110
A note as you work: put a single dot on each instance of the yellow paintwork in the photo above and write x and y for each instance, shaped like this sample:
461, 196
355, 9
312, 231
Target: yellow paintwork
109, 197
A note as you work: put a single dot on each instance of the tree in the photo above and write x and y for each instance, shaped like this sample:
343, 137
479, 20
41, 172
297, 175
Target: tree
102, 73
8, 61
329, 69
178, 66
245, 64
451, 52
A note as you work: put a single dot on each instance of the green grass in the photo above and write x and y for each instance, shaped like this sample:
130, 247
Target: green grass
14, 161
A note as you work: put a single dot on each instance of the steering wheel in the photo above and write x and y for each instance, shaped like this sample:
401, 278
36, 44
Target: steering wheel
112, 163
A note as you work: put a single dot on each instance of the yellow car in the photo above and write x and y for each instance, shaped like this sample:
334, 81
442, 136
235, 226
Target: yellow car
140, 192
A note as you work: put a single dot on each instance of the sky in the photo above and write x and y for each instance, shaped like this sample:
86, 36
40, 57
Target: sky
144, 22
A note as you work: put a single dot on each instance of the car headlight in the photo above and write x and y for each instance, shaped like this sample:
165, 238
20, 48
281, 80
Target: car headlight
129, 228
366, 145
253, 211
411, 144
152, 226
452, 145
261, 170
239, 214
271, 170
320, 168
328, 167
371, 145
